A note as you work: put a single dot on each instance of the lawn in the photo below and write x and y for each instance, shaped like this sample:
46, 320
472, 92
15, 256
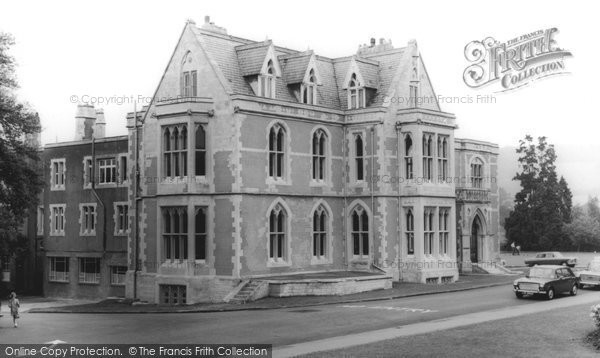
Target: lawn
559, 333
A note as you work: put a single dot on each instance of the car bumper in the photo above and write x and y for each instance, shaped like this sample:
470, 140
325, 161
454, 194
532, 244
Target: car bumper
529, 292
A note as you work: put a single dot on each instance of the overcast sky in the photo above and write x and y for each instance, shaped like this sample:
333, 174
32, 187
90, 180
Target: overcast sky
119, 50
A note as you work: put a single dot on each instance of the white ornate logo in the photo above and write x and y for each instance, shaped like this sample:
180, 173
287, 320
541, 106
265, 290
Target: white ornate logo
514, 63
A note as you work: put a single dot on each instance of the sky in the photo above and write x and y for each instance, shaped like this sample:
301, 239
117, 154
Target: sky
116, 52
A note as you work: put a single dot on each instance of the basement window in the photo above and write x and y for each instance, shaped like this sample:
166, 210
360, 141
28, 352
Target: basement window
173, 294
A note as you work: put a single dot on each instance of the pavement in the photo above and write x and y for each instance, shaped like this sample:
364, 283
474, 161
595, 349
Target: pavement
399, 290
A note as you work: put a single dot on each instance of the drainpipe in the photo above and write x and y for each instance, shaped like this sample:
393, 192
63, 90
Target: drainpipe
372, 243
136, 198
398, 173
344, 219
93, 179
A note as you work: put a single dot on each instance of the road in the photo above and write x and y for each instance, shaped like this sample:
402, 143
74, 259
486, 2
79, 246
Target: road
280, 327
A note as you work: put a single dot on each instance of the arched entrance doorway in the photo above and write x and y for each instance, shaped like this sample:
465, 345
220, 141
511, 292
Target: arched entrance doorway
476, 231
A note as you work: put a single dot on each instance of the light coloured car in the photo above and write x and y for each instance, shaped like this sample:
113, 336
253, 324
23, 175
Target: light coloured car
551, 258
591, 275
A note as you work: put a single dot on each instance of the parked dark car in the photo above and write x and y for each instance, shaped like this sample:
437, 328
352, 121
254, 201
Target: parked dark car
547, 280
551, 258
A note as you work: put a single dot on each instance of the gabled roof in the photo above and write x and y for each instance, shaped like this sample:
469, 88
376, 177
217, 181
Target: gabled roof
238, 58
294, 66
252, 56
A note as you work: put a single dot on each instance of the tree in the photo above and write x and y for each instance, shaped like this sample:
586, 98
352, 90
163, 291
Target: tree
584, 230
543, 206
20, 181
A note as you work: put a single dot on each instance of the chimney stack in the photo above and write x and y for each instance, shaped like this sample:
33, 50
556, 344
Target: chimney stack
85, 118
100, 124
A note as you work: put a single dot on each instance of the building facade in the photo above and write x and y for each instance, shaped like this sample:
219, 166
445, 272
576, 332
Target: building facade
83, 215
255, 160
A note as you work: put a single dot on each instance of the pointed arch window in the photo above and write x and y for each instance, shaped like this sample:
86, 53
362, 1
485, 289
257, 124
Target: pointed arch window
408, 157
175, 241
428, 231
175, 151
320, 233
200, 150
442, 152
359, 158
356, 93
267, 82
309, 89
428, 156
277, 236
360, 232
477, 173
276, 151
410, 232
319, 155
444, 230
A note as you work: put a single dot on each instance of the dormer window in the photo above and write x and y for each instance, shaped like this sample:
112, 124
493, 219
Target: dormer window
356, 93
266, 82
309, 89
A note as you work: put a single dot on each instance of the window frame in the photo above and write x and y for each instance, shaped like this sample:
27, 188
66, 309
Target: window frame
52, 272
444, 230
443, 158
267, 82
356, 93
176, 149
96, 275
477, 173
428, 231
58, 220
319, 156
174, 235
278, 237
277, 152
428, 156
409, 231
106, 169
359, 233
58, 174
320, 234
88, 213
121, 218
121, 272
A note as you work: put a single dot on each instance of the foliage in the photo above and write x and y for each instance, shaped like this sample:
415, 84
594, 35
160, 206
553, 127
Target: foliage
543, 206
20, 181
584, 230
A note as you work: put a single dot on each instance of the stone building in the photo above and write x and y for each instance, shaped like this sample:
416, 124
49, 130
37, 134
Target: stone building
255, 160
83, 215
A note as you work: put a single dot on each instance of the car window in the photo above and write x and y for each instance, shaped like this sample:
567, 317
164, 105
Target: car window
569, 272
539, 256
549, 255
560, 273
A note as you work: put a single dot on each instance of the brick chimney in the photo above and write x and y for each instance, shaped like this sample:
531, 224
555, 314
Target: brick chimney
85, 118
210, 26
100, 124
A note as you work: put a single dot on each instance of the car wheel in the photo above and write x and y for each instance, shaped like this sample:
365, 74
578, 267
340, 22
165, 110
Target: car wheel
519, 294
573, 291
550, 294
